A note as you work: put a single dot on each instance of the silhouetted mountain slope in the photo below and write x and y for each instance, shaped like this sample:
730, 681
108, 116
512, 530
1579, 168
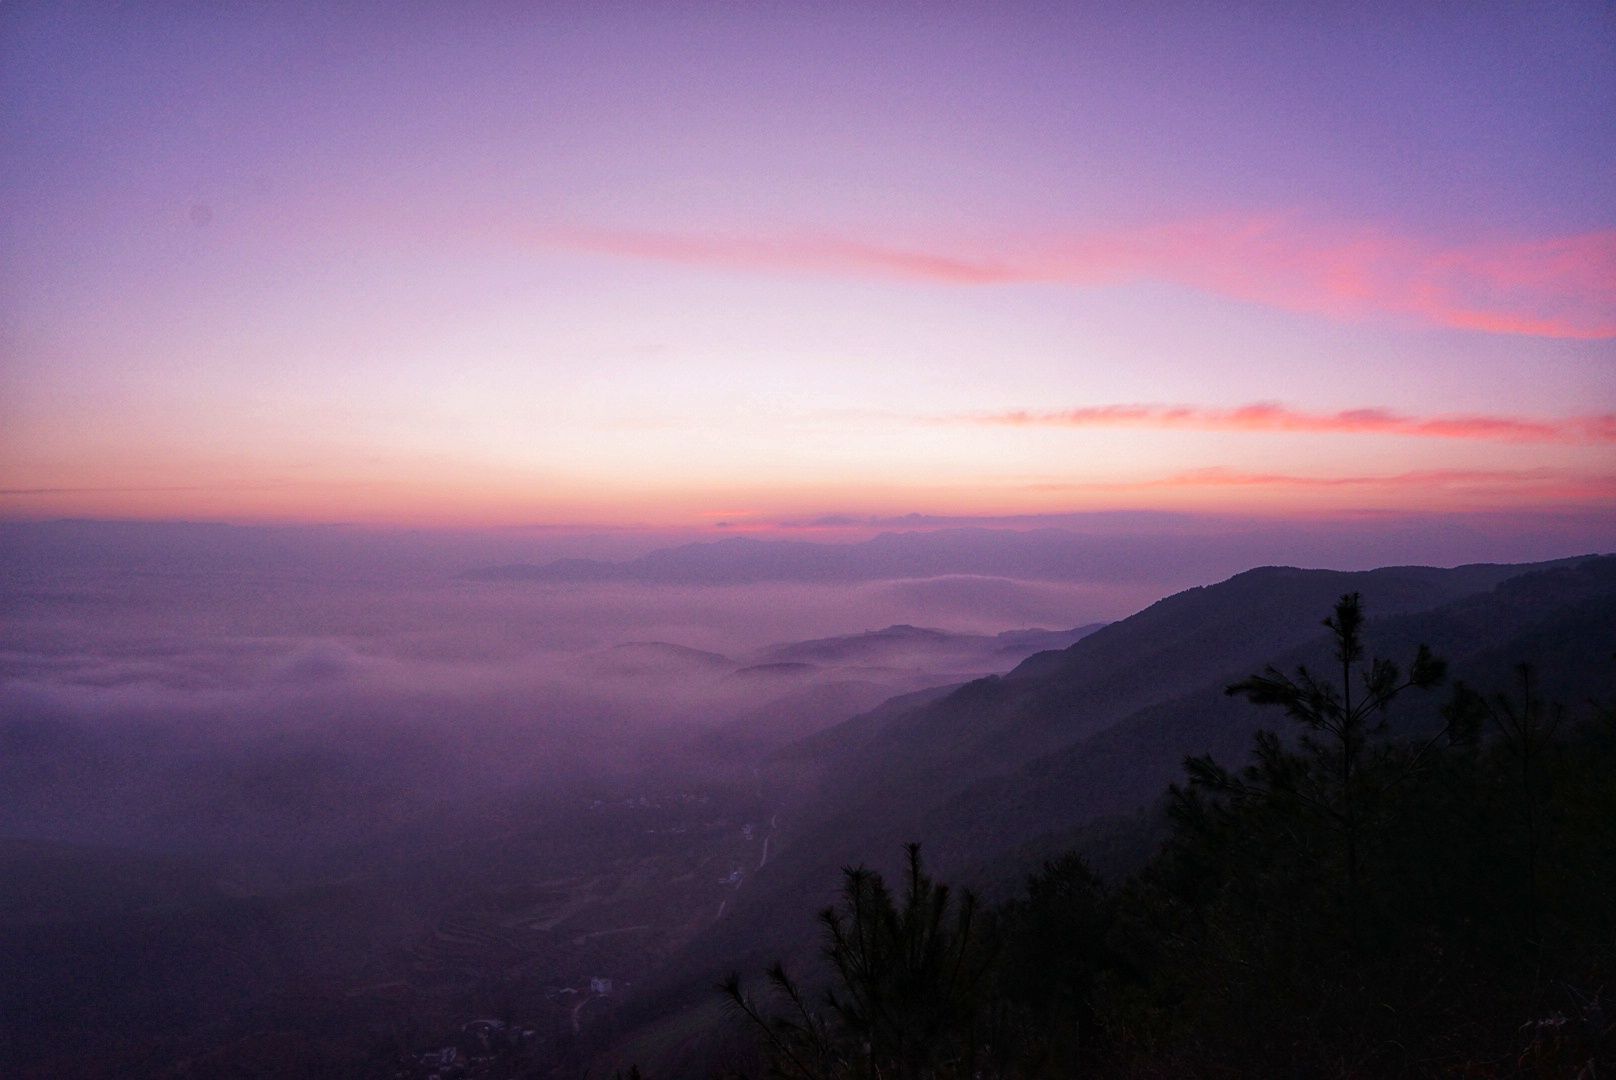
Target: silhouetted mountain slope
786, 718
1100, 728
1562, 621
890, 775
1053, 699
822, 682
1028, 642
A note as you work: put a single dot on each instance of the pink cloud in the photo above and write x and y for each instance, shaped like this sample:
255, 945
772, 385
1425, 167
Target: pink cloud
1518, 486
1418, 478
1270, 417
1561, 287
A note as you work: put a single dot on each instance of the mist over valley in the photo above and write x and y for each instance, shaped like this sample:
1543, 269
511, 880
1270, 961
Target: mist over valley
350, 802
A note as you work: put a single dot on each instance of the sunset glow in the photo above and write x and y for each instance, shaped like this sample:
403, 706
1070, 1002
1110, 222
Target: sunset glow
507, 510
683, 266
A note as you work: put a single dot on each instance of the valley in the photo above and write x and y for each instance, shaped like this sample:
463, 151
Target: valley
496, 897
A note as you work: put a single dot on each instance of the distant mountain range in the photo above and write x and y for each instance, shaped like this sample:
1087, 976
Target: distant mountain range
1040, 554
1035, 760
1165, 549
781, 692
1036, 554
897, 646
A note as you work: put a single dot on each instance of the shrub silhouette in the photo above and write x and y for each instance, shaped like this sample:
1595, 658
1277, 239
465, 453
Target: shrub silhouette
1346, 904
907, 1001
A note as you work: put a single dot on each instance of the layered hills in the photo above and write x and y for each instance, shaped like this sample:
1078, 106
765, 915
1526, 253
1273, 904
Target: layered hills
362, 847
1076, 746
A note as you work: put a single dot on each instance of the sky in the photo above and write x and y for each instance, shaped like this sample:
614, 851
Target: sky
743, 265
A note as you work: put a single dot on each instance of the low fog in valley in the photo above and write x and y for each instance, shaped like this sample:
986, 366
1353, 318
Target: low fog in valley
315, 752
360, 789
350, 693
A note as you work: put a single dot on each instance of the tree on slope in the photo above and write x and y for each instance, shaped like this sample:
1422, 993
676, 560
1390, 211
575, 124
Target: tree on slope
908, 1001
1343, 766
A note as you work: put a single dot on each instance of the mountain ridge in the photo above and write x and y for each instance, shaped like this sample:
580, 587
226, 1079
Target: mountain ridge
979, 771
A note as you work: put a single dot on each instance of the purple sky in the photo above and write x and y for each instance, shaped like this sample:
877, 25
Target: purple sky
674, 264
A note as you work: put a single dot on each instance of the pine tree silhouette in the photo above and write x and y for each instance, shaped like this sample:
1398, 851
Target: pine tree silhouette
908, 997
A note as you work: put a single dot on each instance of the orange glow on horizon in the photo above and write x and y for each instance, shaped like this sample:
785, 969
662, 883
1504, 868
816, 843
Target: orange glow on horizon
449, 505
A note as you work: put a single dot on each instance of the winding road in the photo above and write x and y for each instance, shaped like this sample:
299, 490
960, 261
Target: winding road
774, 823
578, 1008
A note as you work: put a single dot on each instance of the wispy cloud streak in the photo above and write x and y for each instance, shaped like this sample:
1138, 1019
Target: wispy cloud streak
1419, 479
1271, 417
821, 255
13, 492
1562, 287
1522, 484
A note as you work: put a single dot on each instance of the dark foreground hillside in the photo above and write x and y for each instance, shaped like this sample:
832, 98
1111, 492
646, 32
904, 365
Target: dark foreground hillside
1077, 748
